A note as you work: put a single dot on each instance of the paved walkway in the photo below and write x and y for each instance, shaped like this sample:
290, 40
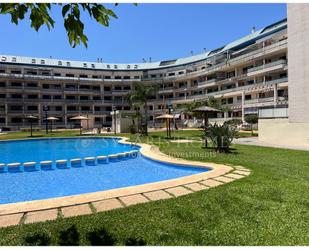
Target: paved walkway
255, 141
122, 201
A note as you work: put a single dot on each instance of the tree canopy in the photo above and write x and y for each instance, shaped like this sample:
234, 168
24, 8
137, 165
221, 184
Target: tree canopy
40, 15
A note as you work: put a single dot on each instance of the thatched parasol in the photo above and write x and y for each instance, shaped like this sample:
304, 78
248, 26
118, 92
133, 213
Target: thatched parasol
167, 117
80, 118
51, 119
31, 118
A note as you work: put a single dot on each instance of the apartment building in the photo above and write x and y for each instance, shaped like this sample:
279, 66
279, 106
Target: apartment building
246, 75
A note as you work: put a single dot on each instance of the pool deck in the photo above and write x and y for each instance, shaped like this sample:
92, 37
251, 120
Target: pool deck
89, 203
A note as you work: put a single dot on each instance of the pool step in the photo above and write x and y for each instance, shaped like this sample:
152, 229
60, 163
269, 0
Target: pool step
62, 164
65, 164
30, 166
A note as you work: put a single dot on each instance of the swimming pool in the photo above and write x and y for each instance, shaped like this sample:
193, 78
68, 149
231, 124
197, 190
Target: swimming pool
59, 148
37, 185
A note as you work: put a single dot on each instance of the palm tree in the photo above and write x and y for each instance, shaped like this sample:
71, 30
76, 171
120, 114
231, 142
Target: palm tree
140, 95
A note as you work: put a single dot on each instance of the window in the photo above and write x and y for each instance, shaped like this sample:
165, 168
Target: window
46, 73
2, 96
16, 120
16, 71
59, 63
31, 73
42, 62
32, 85
16, 84
57, 74
247, 97
16, 108
13, 59
2, 84
69, 75
32, 96
58, 108
33, 61
108, 119
32, 108
84, 87
98, 119
16, 96
107, 77
85, 64
118, 77
92, 65
71, 108
126, 77
85, 108
96, 88
68, 64
2, 120
136, 77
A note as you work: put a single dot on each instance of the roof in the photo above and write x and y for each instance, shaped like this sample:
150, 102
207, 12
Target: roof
238, 44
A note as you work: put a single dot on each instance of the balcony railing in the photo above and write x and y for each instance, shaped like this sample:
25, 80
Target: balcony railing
259, 100
268, 65
274, 113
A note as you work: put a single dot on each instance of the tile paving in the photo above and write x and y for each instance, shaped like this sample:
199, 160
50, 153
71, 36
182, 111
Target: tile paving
76, 210
39, 216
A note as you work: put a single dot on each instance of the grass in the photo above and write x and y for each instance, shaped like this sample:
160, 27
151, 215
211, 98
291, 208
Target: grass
270, 207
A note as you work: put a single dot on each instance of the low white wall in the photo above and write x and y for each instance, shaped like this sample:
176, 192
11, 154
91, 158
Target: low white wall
281, 132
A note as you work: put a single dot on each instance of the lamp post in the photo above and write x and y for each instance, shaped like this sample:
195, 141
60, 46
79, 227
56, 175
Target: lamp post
169, 106
115, 121
46, 109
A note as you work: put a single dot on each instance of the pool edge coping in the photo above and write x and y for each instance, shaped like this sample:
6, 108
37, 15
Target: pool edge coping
147, 150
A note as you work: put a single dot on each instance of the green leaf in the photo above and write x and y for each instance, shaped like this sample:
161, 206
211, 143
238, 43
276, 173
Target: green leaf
65, 9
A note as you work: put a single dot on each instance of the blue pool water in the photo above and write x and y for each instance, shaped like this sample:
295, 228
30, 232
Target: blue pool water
59, 148
26, 186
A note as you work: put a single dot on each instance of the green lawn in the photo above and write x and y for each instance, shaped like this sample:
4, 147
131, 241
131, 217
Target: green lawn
270, 207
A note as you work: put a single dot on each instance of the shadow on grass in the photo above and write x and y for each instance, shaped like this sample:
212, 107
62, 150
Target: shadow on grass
69, 237
37, 239
101, 238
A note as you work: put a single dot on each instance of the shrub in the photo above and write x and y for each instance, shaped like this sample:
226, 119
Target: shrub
251, 119
234, 121
133, 129
221, 136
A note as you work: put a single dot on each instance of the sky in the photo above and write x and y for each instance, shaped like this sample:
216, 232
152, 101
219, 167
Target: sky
159, 31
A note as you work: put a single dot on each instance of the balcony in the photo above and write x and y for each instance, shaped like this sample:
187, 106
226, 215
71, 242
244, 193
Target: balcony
259, 100
274, 113
276, 65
